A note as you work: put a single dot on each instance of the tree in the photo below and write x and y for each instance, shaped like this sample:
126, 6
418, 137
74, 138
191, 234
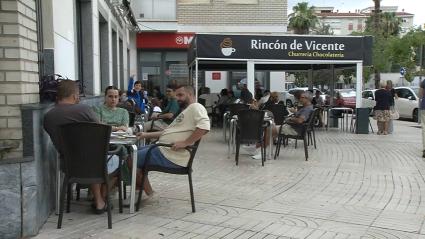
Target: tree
300, 79
302, 19
389, 25
323, 29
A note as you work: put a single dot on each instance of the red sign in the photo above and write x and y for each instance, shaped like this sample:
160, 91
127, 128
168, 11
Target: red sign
164, 40
216, 75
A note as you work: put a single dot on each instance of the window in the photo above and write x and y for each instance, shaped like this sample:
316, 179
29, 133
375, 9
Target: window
241, 1
193, 1
350, 26
367, 94
359, 27
404, 93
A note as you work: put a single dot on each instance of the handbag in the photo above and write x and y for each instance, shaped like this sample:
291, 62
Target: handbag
394, 113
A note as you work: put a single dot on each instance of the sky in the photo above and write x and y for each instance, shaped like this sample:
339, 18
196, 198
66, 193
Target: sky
416, 7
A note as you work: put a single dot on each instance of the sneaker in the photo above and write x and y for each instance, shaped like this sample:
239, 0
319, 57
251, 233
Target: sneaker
257, 156
250, 149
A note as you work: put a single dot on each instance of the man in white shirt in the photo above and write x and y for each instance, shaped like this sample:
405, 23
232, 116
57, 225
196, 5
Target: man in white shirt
187, 128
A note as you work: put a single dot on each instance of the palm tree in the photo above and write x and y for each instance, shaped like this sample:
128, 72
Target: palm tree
302, 19
390, 24
377, 29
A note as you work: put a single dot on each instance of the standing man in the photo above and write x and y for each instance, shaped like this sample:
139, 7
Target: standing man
67, 110
246, 95
188, 127
422, 113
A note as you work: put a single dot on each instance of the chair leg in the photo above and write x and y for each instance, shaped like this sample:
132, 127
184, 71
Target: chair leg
120, 187
238, 145
305, 149
62, 201
68, 198
314, 139
124, 190
296, 141
77, 188
279, 141
370, 124
192, 198
108, 204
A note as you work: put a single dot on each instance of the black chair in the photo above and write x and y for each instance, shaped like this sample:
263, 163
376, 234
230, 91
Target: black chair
250, 129
279, 112
302, 134
182, 171
233, 110
85, 149
311, 134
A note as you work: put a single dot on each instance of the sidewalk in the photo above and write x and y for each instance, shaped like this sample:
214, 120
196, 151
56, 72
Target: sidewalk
353, 186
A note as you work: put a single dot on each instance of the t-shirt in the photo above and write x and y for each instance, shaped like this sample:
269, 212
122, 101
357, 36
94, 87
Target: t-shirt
115, 117
63, 114
422, 105
172, 107
194, 116
246, 96
305, 112
383, 99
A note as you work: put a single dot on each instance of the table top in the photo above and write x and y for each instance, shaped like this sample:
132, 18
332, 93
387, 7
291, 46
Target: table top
122, 138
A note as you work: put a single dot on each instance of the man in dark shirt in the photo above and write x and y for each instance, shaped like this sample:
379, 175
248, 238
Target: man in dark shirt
67, 110
246, 95
162, 120
422, 113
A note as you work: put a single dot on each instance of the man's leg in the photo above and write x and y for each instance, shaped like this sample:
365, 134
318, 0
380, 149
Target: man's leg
288, 130
98, 198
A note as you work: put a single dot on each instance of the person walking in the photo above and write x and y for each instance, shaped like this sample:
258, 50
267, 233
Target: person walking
422, 113
382, 109
390, 89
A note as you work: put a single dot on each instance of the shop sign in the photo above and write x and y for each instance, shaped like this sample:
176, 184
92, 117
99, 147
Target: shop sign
283, 47
167, 40
216, 75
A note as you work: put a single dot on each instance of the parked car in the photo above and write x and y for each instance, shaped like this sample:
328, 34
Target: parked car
349, 97
407, 102
289, 96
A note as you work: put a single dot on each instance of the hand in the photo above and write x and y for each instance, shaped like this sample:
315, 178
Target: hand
179, 145
154, 116
141, 135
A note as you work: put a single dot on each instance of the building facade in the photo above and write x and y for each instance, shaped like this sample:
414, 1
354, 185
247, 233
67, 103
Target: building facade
167, 27
345, 23
87, 40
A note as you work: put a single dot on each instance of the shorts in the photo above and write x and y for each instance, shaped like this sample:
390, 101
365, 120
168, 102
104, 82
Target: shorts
156, 159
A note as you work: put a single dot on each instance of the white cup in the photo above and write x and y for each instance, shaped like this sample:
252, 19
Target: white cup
227, 51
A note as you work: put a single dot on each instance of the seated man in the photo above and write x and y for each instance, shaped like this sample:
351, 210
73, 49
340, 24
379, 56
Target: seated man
162, 120
188, 127
67, 110
293, 125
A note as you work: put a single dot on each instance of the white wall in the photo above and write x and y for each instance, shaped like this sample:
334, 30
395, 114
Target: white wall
216, 85
64, 38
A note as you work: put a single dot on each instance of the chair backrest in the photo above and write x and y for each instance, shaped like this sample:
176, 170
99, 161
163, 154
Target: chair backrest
279, 113
235, 108
85, 148
250, 124
193, 153
202, 101
310, 122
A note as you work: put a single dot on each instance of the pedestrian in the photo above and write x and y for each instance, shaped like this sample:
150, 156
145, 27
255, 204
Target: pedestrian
390, 88
422, 114
382, 108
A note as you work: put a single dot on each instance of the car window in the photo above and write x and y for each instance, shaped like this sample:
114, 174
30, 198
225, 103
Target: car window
348, 93
403, 93
367, 94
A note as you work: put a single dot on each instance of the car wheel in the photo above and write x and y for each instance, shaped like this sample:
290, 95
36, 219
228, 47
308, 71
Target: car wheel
415, 115
289, 103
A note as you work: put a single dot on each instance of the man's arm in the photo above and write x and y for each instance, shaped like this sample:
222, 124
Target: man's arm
195, 136
168, 115
149, 135
298, 120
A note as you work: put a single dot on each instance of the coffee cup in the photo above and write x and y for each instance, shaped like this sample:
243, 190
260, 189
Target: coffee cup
227, 51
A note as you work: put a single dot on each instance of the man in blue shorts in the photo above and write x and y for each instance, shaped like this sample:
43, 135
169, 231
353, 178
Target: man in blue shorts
187, 128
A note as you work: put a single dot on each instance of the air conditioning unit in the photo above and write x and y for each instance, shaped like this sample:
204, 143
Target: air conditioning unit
141, 15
